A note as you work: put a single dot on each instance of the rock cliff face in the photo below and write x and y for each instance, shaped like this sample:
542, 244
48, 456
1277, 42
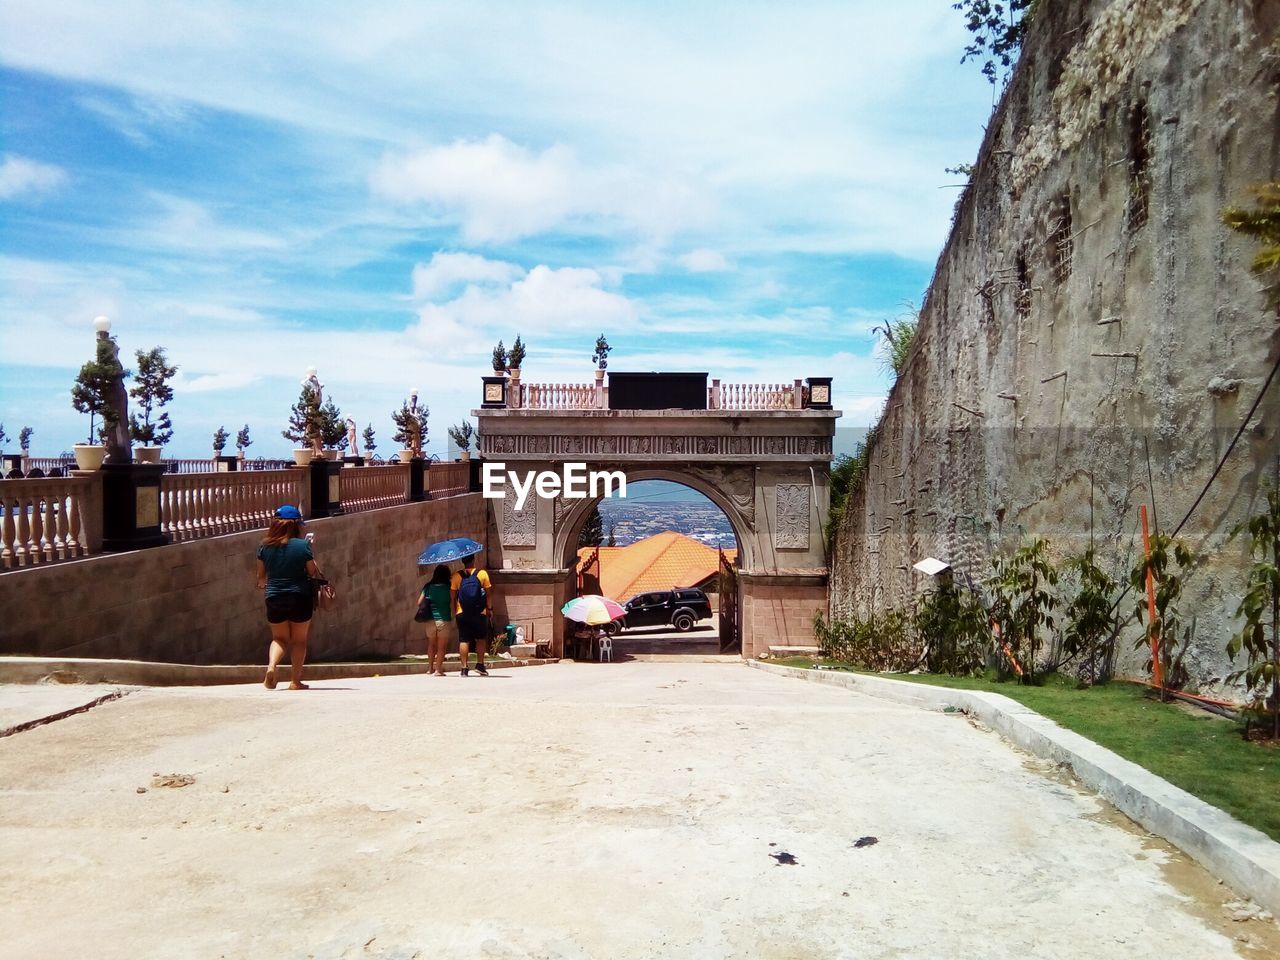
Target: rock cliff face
1090, 314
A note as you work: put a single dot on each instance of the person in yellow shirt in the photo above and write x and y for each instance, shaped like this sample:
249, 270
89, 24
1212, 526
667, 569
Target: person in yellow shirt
472, 597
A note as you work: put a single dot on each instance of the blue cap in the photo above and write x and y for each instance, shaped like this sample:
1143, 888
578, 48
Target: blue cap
288, 512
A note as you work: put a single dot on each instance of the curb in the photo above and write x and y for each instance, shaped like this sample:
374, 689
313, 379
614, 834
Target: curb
141, 673
1241, 856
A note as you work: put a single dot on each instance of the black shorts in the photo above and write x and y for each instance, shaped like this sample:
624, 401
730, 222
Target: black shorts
293, 607
473, 628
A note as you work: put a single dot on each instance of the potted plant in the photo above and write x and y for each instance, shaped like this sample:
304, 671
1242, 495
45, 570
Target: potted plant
24, 441
499, 358
220, 441
411, 427
304, 425
333, 430
91, 394
152, 391
243, 442
601, 357
516, 358
461, 435
369, 445
3, 437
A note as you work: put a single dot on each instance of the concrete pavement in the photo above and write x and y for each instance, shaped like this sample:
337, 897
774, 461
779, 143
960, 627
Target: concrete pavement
572, 811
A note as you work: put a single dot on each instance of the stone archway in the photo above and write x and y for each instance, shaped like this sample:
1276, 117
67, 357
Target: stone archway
567, 534
767, 470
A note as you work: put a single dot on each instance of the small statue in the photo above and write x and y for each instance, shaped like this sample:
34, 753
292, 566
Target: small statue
118, 442
351, 438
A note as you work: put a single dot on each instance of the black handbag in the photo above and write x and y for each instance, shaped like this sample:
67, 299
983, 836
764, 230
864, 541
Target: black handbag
424, 610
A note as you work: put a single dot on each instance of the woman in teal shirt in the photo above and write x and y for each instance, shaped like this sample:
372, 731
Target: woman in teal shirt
436, 592
285, 569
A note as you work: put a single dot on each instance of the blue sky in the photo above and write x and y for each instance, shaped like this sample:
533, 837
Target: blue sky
384, 190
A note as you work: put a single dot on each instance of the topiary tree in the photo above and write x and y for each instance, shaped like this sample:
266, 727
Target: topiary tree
24, 438
152, 391
220, 441
368, 435
333, 429
243, 442
95, 385
601, 357
592, 534
515, 359
461, 435
411, 425
3, 436
499, 358
304, 419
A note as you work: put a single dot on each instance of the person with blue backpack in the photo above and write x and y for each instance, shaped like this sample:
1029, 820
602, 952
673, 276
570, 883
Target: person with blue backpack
472, 597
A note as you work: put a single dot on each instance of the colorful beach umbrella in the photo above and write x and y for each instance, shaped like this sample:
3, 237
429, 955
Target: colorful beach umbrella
592, 609
445, 551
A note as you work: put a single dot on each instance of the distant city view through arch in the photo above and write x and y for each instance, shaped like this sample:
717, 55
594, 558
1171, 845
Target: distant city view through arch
654, 506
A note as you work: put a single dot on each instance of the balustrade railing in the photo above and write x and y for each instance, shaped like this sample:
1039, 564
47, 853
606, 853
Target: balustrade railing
47, 465
558, 396
369, 488
194, 505
752, 396
449, 479
47, 520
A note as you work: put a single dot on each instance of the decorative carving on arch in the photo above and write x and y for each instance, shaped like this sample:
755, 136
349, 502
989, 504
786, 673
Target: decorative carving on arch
737, 484
791, 528
519, 527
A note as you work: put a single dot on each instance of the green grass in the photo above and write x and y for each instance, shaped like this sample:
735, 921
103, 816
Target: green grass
1199, 752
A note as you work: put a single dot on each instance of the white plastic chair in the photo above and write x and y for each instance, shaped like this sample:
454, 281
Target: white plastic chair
606, 648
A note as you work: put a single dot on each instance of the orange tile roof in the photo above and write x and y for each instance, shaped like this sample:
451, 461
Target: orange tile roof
664, 561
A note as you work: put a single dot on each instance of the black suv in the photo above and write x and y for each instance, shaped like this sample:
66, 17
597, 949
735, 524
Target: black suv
680, 608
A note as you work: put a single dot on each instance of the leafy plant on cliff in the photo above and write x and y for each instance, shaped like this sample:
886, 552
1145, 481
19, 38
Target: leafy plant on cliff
1263, 224
1261, 598
1093, 619
899, 334
954, 629
998, 28
1022, 603
1168, 561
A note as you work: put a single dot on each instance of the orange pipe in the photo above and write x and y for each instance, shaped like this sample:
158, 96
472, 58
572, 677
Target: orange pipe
1157, 673
1184, 696
1017, 667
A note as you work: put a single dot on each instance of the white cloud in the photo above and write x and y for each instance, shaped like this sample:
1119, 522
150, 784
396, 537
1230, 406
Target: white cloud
446, 271
21, 178
187, 224
494, 188
544, 301
703, 260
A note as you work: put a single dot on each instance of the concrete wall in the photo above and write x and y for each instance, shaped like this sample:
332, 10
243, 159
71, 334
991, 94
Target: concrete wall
1090, 229
196, 602
778, 611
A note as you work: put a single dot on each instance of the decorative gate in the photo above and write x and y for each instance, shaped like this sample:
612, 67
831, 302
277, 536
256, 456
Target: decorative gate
730, 628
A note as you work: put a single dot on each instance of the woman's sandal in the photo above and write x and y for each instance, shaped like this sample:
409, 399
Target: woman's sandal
270, 680
298, 686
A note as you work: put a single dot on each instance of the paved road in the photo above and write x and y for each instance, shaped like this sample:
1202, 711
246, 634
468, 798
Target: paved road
570, 811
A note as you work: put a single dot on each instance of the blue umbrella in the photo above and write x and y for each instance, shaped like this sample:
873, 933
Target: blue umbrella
447, 550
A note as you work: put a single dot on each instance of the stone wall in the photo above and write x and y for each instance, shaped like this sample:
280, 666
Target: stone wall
1090, 313
196, 602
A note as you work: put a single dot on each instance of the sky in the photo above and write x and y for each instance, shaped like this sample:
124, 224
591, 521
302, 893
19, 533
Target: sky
384, 190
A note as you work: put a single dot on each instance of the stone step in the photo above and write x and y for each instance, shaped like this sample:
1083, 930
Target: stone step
794, 651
